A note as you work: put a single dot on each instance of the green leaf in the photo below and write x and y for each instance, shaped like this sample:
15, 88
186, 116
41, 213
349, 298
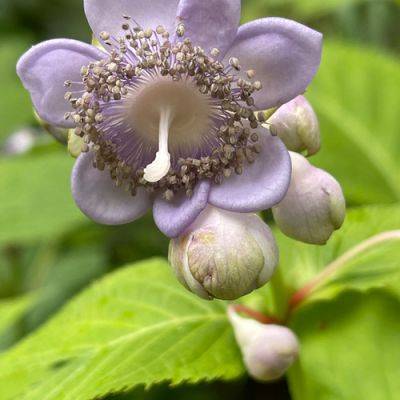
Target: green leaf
356, 96
12, 309
349, 349
35, 198
58, 279
301, 262
303, 9
317, 8
135, 327
15, 104
375, 266
374, 263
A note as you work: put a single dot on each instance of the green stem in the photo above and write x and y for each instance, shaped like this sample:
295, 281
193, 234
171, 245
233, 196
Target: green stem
41, 265
279, 294
13, 256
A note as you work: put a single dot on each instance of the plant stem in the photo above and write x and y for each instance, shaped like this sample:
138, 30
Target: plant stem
258, 316
303, 293
279, 294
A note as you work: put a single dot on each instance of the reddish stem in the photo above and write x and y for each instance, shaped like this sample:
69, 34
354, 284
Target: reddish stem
258, 316
300, 296
332, 268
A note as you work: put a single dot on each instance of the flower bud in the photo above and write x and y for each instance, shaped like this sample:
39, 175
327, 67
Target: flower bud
314, 206
268, 350
75, 144
297, 125
224, 255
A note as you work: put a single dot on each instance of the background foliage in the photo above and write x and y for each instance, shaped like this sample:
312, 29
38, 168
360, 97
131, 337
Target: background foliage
130, 325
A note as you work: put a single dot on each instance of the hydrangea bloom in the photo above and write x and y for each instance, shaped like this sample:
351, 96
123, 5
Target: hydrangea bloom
168, 107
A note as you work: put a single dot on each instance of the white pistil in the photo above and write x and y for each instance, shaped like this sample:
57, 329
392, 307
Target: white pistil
160, 167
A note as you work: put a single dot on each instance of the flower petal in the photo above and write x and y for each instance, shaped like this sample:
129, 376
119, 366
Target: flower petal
45, 67
262, 185
285, 55
174, 217
211, 23
97, 196
107, 15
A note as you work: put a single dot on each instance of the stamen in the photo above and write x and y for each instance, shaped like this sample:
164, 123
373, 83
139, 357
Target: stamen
160, 167
212, 143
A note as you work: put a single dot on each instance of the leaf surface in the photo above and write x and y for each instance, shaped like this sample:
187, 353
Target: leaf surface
362, 254
356, 97
10, 311
135, 327
15, 104
35, 197
349, 349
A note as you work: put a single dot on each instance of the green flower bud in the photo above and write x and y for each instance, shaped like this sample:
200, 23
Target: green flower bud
224, 255
297, 125
314, 206
75, 144
268, 350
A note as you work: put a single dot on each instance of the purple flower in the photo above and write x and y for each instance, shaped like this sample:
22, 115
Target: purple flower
168, 109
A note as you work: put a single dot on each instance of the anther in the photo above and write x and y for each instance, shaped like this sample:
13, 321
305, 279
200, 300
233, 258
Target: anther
251, 73
215, 52
160, 29
104, 35
234, 62
257, 85
180, 30
261, 117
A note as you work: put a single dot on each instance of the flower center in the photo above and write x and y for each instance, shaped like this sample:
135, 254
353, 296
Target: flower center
190, 111
165, 115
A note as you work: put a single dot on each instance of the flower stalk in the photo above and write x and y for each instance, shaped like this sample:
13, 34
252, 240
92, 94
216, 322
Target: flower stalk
257, 315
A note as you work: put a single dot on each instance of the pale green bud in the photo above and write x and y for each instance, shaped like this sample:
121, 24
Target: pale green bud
75, 144
224, 255
297, 125
314, 206
268, 350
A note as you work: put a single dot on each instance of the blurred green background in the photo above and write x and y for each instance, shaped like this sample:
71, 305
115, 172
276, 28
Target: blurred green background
48, 248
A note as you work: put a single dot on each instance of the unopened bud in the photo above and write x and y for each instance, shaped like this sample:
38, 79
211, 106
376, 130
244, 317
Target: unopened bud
314, 206
268, 350
297, 125
224, 255
75, 144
